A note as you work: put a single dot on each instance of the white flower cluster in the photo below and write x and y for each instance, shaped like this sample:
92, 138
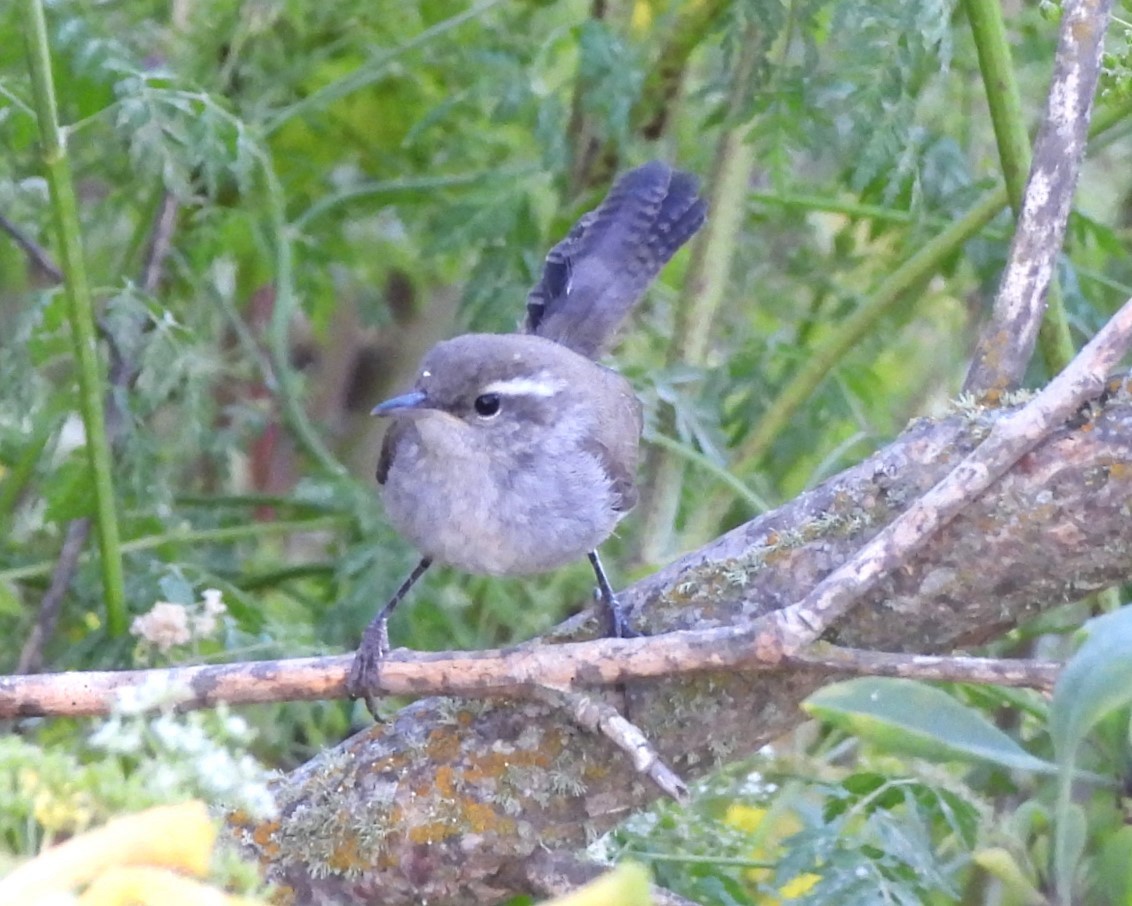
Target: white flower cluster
167, 625
198, 754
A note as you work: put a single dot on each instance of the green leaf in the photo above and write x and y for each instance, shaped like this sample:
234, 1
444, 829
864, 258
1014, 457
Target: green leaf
1069, 846
905, 716
1002, 864
1112, 875
1096, 681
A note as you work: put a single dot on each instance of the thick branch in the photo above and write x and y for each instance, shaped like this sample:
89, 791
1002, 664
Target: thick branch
451, 799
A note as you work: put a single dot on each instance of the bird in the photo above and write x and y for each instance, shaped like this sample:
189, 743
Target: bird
516, 454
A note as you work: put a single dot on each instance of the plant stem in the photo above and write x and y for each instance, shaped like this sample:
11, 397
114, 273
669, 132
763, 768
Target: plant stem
372, 69
80, 312
278, 332
193, 536
702, 293
1005, 101
849, 332
21, 472
1055, 343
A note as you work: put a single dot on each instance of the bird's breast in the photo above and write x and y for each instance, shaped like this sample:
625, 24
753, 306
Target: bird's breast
494, 511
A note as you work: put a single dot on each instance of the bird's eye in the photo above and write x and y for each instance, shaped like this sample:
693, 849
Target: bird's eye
487, 405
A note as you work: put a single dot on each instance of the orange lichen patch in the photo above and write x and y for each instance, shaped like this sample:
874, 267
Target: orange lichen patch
241, 819
444, 781
482, 819
282, 896
263, 835
494, 765
432, 832
777, 554
348, 857
443, 745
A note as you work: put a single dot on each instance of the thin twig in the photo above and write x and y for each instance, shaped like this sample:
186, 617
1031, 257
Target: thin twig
511, 672
1007, 340
599, 717
37, 253
988, 28
31, 655
1025, 673
160, 243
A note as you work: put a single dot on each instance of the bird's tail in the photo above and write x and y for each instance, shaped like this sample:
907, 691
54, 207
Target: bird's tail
594, 276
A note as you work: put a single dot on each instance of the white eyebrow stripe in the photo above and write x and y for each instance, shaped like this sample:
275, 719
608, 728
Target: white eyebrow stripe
525, 386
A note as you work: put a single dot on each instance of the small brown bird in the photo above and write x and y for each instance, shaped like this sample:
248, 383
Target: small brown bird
517, 453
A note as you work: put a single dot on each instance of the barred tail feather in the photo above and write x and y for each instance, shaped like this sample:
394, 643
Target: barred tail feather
594, 276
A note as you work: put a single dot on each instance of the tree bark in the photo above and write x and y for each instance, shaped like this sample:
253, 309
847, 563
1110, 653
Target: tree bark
458, 801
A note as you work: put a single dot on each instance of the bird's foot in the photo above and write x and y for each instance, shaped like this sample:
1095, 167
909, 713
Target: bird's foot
617, 624
365, 673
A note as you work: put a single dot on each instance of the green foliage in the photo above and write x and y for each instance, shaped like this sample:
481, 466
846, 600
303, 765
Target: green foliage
353, 182
786, 833
865, 818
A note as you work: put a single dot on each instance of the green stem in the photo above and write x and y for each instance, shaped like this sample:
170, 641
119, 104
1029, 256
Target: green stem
849, 332
700, 298
373, 69
193, 536
278, 331
1003, 97
80, 312
409, 186
220, 501
14, 483
1055, 343
806, 202
755, 501
280, 576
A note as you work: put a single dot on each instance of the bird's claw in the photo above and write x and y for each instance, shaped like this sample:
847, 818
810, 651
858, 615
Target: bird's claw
617, 624
365, 673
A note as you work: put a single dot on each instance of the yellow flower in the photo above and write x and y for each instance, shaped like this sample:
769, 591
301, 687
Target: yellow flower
744, 817
799, 886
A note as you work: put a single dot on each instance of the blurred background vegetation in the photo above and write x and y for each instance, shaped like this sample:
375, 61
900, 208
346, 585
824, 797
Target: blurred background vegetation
282, 205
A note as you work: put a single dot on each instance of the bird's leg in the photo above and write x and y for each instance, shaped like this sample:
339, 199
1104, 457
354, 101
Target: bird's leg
366, 670
618, 625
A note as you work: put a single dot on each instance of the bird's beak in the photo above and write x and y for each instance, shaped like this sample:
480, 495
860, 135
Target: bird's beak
416, 399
